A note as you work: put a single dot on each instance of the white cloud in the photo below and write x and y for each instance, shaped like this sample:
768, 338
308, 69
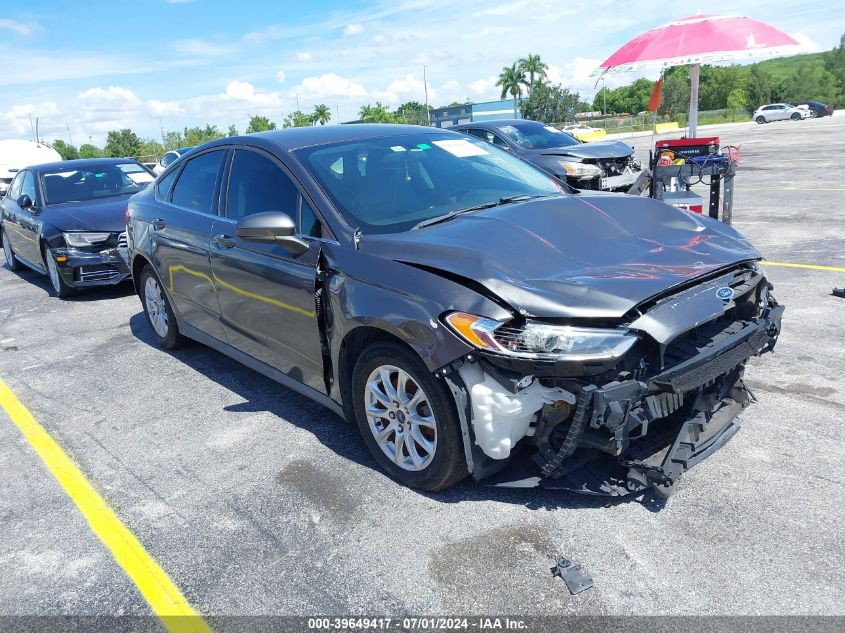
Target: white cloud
17, 27
200, 48
304, 56
407, 89
484, 87
806, 43
281, 76
353, 29
16, 121
329, 85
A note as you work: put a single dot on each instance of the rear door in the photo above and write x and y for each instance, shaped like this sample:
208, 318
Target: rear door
266, 292
181, 236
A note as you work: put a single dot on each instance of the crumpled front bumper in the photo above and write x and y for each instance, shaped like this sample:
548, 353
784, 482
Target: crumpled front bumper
83, 269
627, 436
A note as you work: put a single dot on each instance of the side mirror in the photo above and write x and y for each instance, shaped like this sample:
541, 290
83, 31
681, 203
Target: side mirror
271, 227
24, 202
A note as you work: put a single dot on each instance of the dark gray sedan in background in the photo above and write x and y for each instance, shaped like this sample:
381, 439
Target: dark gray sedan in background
469, 314
68, 220
598, 165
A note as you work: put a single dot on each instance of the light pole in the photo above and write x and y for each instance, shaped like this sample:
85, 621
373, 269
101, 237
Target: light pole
425, 86
297, 102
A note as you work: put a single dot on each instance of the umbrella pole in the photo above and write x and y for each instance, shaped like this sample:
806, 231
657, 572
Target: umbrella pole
694, 72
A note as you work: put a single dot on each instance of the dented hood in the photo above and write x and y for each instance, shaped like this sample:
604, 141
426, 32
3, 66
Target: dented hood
598, 149
580, 256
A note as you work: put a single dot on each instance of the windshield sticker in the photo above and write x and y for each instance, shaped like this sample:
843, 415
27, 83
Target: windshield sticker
423, 146
461, 148
398, 148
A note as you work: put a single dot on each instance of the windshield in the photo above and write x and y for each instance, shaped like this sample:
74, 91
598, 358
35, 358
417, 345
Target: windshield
533, 135
389, 185
104, 181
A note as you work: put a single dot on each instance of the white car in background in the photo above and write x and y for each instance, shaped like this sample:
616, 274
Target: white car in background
169, 157
579, 130
779, 112
15, 155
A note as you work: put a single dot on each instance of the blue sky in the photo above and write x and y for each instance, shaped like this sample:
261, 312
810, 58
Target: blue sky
99, 65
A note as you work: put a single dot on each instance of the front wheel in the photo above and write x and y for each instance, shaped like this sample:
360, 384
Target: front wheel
60, 288
157, 309
11, 261
796, 117
760, 119
407, 418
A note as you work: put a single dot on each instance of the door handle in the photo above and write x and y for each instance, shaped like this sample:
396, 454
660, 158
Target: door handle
158, 224
226, 241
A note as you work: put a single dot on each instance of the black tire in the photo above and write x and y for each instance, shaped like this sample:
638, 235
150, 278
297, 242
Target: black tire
760, 119
12, 262
57, 282
795, 116
169, 338
448, 464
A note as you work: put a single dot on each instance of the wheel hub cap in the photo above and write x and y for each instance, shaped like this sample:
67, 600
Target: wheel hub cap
156, 307
400, 418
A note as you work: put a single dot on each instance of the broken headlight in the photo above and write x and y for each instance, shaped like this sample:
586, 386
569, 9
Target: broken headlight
541, 340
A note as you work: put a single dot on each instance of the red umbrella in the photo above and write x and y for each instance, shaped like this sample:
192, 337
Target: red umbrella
696, 40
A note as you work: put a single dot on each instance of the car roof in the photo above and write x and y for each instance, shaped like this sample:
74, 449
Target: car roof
298, 137
493, 125
81, 163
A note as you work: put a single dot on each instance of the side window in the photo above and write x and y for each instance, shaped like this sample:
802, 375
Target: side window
308, 222
256, 185
163, 185
195, 187
496, 140
28, 186
475, 132
15, 189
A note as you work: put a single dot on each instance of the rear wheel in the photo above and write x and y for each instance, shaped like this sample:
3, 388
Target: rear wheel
60, 288
11, 261
407, 418
159, 314
795, 116
760, 119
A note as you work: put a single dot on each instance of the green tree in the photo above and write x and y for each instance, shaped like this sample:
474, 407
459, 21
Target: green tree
258, 123
737, 102
89, 151
378, 113
199, 135
550, 103
65, 150
413, 113
122, 143
322, 114
511, 80
150, 151
533, 66
298, 119
759, 87
632, 98
233, 131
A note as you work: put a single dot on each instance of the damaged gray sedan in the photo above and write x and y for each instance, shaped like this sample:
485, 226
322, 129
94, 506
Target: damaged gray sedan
465, 309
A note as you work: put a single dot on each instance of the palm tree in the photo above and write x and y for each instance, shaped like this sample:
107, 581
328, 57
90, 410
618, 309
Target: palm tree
511, 79
322, 114
533, 65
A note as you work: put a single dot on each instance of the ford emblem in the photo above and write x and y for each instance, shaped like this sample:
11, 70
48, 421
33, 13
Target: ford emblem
725, 293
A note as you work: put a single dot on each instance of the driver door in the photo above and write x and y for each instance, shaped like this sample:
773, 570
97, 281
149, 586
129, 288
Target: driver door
267, 293
22, 226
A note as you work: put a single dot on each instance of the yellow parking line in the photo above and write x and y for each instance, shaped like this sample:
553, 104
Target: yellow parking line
165, 599
835, 269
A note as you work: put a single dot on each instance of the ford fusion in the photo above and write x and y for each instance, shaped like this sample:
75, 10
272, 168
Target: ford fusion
467, 313
603, 165
68, 220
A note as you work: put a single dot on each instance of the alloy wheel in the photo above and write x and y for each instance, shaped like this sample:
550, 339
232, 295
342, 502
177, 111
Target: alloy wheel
53, 270
400, 418
7, 250
156, 307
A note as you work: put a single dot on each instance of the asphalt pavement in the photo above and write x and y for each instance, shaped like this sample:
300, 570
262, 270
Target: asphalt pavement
257, 501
